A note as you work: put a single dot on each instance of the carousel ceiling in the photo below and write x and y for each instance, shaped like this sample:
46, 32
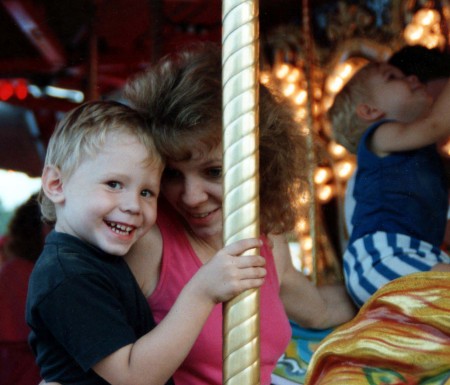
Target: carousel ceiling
55, 53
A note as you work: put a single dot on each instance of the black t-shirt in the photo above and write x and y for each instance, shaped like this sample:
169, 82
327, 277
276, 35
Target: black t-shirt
82, 305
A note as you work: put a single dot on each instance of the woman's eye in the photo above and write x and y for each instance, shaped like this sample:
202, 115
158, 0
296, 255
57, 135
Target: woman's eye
215, 172
114, 184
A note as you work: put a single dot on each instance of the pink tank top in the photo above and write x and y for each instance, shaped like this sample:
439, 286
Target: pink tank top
203, 365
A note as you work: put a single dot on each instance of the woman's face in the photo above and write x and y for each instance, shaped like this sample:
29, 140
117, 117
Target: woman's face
194, 188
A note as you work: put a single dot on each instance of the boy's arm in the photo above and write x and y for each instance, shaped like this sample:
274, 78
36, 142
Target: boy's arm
155, 357
399, 136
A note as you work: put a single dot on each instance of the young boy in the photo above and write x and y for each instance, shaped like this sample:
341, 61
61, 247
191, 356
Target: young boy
90, 321
390, 122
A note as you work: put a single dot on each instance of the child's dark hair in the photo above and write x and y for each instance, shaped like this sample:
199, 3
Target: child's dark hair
427, 64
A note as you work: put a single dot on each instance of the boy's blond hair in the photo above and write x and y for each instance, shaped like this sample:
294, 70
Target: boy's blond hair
346, 125
82, 133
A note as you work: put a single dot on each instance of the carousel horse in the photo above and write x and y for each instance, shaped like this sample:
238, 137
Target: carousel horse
400, 336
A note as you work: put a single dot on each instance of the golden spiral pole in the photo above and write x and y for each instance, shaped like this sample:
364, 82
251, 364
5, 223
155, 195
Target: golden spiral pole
309, 63
240, 66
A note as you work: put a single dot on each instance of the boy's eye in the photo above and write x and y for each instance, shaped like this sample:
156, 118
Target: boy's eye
146, 193
114, 184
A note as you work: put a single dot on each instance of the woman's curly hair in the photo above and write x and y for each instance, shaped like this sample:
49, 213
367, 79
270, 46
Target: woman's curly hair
181, 96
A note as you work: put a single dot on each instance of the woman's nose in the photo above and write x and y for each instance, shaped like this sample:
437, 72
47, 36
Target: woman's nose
193, 193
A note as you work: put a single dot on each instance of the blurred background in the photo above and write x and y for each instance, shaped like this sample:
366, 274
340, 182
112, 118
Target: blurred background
55, 54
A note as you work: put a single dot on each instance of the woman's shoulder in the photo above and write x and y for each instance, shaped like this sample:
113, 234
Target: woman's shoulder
144, 260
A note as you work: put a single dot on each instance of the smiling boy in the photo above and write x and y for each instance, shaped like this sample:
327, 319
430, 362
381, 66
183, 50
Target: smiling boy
90, 321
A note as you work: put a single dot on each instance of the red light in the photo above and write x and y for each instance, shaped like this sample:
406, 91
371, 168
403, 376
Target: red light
6, 90
10, 88
21, 89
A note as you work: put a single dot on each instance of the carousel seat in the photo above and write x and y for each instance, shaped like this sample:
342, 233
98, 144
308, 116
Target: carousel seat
400, 336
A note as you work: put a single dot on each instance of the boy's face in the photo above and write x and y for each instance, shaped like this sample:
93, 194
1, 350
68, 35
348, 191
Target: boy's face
398, 96
110, 199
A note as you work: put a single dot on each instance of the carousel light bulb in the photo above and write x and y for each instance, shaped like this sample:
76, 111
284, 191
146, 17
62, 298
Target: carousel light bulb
264, 77
334, 84
300, 98
345, 70
427, 16
344, 169
282, 71
302, 226
336, 150
413, 33
322, 175
289, 89
316, 109
306, 243
431, 41
294, 75
325, 193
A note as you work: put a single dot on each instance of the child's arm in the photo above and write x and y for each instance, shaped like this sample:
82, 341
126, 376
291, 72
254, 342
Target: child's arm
308, 305
397, 136
156, 356
441, 267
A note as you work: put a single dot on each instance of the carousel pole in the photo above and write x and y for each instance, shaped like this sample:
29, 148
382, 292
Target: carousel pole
240, 74
309, 73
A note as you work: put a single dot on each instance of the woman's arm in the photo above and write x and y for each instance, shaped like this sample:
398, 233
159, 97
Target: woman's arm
308, 305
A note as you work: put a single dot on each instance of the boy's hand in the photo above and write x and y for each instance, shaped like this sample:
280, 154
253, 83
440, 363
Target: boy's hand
229, 273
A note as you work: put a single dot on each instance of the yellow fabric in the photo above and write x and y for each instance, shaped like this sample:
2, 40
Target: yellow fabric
400, 336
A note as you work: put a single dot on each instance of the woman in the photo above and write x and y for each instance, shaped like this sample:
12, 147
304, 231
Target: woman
24, 242
181, 96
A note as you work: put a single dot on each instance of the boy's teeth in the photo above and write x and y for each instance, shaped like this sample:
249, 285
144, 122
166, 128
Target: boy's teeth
118, 228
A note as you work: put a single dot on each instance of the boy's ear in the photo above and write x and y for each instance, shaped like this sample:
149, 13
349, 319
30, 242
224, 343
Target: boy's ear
367, 112
52, 184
